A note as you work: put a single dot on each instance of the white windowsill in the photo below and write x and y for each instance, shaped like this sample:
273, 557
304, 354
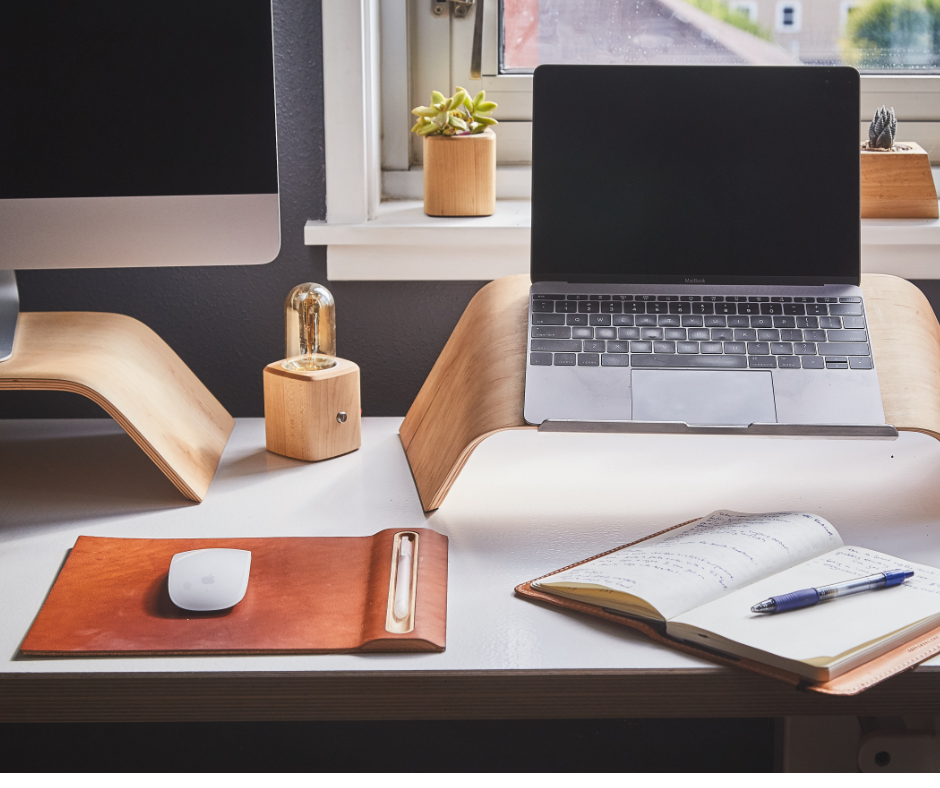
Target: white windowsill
403, 243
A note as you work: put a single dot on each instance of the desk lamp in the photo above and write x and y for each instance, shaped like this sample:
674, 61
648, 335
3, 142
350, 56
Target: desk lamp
311, 398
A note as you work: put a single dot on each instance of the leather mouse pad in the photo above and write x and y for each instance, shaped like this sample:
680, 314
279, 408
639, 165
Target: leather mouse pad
305, 595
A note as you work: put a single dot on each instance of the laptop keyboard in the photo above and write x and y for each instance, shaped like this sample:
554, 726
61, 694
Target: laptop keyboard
726, 332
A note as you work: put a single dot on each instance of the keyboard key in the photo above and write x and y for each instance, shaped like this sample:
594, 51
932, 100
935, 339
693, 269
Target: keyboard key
781, 348
817, 309
814, 335
794, 309
605, 333
675, 333
745, 335
623, 320
641, 347
680, 308
790, 362
589, 360
551, 332
748, 309
618, 347
853, 322
565, 359
612, 307
725, 309
669, 320
758, 298
693, 320
543, 306
830, 322
784, 321
657, 308
713, 298
827, 300
739, 322
843, 349
736, 298
594, 346
711, 347
771, 309
645, 320
768, 335
736, 362
781, 299
547, 297
703, 309
634, 307
651, 333
791, 335
840, 363
687, 347
566, 306
588, 307
722, 334
540, 359
664, 347
845, 309
762, 362
807, 322
582, 333
628, 333
599, 320
852, 300
596, 297
690, 298
716, 320
557, 345
576, 320
758, 349
804, 348
847, 336
698, 334
610, 360
577, 298
736, 348
667, 298
859, 362
813, 362
762, 321
548, 320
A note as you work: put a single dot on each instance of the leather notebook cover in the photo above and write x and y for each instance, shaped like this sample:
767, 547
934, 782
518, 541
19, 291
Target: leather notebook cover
850, 683
305, 595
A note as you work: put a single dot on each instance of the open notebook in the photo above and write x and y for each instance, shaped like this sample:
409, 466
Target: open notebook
697, 582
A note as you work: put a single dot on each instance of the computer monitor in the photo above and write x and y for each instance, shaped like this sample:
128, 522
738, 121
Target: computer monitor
136, 134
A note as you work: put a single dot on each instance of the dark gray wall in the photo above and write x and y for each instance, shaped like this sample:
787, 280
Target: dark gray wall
227, 322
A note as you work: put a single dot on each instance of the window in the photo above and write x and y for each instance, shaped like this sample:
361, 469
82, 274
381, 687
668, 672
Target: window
746, 7
789, 17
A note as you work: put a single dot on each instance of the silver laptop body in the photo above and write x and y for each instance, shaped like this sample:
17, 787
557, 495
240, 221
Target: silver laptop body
694, 266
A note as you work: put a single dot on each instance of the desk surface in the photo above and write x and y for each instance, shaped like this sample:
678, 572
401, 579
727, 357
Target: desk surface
526, 503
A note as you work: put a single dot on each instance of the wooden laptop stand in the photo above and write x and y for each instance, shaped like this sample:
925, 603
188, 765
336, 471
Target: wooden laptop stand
477, 385
123, 366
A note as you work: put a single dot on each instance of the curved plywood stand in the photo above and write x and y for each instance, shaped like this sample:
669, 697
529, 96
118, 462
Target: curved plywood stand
477, 385
123, 366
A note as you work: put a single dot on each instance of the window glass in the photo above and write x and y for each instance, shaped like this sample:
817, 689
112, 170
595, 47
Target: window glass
875, 36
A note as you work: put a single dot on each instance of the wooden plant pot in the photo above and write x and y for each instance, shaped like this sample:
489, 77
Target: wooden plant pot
898, 184
460, 175
312, 415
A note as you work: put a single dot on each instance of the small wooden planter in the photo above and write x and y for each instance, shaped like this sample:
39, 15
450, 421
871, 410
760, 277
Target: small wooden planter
898, 184
460, 175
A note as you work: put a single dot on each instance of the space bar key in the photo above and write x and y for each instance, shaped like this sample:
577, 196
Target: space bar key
663, 360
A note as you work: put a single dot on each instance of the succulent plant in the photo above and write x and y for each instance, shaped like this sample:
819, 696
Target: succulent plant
456, 115
883, 128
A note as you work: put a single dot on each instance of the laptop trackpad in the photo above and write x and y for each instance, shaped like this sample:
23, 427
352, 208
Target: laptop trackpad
703, 396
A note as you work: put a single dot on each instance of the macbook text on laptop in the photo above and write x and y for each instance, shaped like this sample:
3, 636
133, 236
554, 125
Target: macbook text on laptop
696, 252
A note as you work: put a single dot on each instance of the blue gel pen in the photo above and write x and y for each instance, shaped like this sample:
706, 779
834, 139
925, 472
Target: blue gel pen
810, 596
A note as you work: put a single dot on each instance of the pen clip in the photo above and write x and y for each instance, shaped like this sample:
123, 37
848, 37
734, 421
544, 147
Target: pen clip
403, 583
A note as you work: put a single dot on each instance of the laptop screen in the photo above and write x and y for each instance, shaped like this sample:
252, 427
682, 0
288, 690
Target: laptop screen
697, 175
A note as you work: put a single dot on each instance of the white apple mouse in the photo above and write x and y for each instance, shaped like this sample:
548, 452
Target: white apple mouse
211, 579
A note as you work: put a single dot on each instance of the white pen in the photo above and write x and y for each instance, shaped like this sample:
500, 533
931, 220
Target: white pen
403, 581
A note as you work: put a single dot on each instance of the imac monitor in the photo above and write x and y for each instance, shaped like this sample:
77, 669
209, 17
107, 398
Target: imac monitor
136, 134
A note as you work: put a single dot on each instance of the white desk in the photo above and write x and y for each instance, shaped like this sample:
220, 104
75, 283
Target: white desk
525, 504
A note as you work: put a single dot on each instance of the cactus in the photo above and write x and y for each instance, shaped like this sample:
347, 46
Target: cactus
456, 115
883, 128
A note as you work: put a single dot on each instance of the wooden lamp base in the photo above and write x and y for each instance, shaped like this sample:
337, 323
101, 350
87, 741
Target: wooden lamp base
312, 415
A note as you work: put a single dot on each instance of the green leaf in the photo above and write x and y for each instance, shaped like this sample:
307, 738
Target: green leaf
484, 122
485, 106
479, 98
459, 123
424, 112
436, 97
459, 97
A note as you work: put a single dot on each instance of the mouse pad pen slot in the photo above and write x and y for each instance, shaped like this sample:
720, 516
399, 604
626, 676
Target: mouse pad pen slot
403, 583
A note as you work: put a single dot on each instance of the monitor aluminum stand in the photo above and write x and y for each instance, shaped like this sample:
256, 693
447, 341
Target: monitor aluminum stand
124, 367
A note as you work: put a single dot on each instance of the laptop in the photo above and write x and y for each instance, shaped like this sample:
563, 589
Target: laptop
696, 252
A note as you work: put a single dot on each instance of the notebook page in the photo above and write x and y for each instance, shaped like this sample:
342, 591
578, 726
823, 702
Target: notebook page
829, 629
705, 560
